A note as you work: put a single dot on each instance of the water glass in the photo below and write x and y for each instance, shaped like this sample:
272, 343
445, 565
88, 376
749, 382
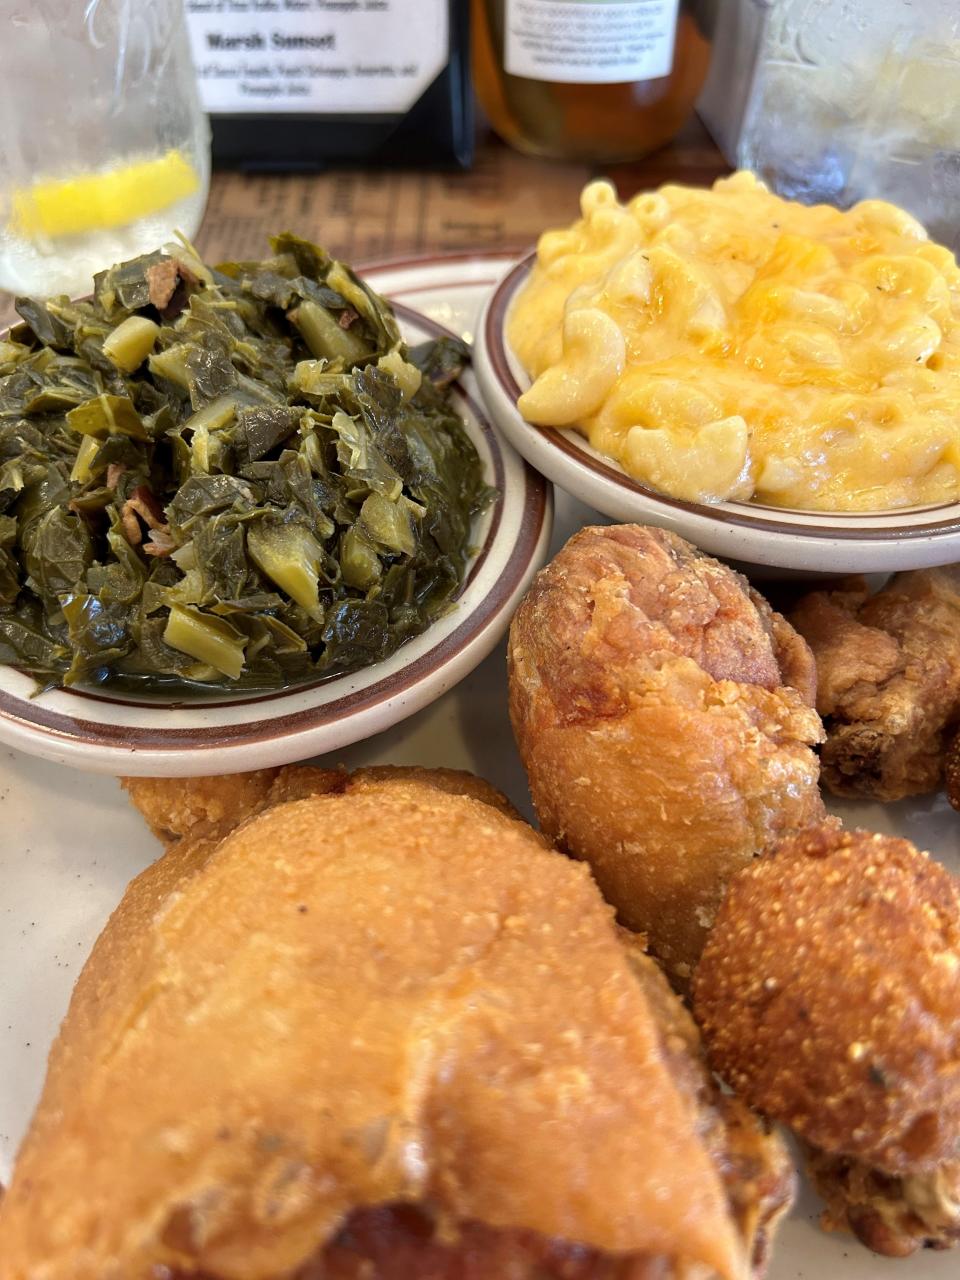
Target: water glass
104, 150
854, 99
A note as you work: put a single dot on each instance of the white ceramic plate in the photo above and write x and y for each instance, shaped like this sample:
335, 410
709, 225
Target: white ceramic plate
775, 537
225, 733
69, 842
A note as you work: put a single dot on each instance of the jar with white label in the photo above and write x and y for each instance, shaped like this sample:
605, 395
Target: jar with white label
593, 80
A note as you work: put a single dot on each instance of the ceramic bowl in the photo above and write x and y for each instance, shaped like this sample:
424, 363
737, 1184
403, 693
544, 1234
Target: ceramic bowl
775, 538
106, 732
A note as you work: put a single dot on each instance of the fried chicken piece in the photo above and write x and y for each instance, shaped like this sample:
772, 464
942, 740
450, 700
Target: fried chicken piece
664, 715
758, 1175
209, 807
828, 995
401, 1242
201, 808
888, 683
951, 771
376, 1033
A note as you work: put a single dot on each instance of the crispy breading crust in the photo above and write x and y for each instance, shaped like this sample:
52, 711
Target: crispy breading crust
402, 1242
829, 996
382, 993
757, 1171
951, 771
663, 713
208, 807
888, 670
890, 1215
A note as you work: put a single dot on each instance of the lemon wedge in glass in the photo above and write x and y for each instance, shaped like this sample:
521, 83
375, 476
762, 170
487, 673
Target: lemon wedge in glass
96, 201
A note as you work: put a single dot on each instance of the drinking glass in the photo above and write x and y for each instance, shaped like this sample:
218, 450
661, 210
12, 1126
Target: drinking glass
104, 148
855, 99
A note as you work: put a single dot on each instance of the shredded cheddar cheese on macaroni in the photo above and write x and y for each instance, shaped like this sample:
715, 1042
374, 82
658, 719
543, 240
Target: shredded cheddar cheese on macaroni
729, 344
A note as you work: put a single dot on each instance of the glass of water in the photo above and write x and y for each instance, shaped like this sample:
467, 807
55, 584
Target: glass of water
104, 149
856, 99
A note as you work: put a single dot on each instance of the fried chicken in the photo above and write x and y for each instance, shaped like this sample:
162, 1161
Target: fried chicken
377, 1032
828, 995
951, 771
208, 807
664, 715
888, 685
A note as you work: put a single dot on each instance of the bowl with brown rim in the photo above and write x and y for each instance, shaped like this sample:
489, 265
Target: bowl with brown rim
774, 538
104, 731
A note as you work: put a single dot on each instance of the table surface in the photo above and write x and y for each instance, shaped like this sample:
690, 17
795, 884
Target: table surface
364, 215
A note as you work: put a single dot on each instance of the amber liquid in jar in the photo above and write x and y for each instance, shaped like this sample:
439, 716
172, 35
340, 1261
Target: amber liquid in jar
581, 119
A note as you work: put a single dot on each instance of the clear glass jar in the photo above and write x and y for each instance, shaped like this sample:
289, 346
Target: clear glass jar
858, 99
104, 149
594, 80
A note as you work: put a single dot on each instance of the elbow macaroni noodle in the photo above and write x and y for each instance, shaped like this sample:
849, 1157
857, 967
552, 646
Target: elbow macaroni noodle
728, 344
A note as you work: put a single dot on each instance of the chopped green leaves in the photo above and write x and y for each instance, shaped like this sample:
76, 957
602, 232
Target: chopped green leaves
129, 344
238, 477
210, 640
107, 416
290, 556
324, 336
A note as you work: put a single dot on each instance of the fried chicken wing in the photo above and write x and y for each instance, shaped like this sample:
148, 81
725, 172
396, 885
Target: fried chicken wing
888, 683
377, 1032
828, 995
664, 715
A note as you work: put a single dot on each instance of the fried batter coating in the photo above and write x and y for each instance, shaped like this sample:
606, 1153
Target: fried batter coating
888, 680
372, 1031
828, 995
209, 807
894, 1216
401, 1242
664, 715
951, 771
757, 1172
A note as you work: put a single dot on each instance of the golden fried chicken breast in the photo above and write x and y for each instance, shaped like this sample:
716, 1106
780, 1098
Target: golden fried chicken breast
376, 1033
664, 715
888, 684
828, 995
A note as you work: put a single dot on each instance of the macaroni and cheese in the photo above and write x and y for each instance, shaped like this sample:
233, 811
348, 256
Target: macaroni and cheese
728, 344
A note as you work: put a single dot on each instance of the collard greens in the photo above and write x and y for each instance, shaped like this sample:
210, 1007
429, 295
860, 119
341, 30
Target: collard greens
229, 477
